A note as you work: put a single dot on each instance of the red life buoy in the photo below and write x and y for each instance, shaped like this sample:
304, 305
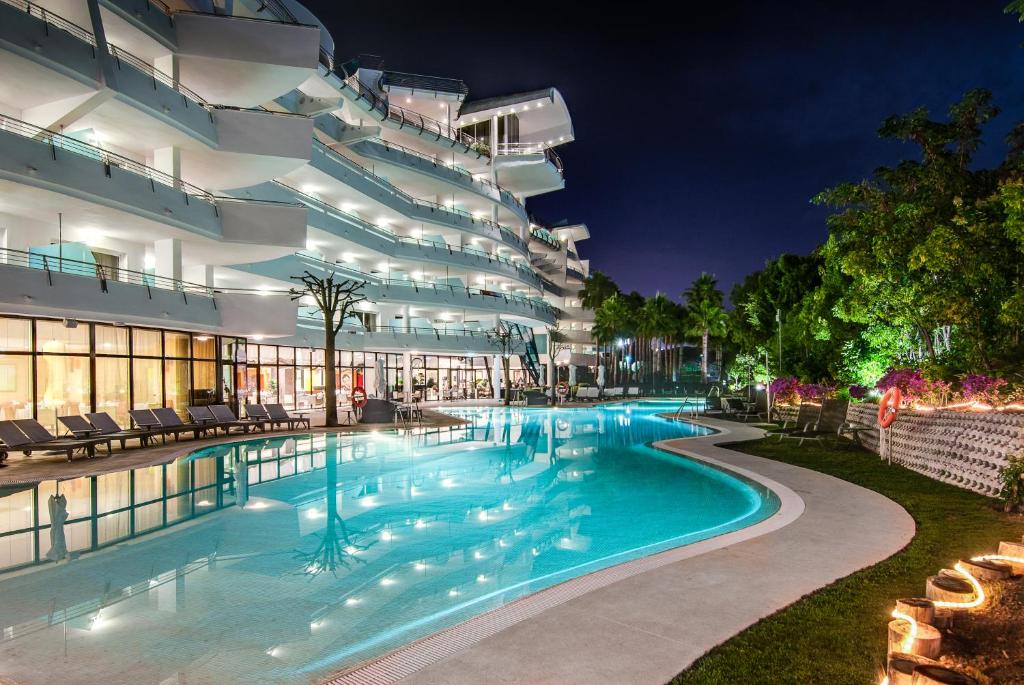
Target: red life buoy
889, 406
358, 396
562, 389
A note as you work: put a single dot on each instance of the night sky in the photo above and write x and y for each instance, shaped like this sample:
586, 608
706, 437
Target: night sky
701, 135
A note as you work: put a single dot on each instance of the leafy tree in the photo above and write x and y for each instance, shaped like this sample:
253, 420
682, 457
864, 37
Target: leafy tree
596, 289
613, 319
336, 300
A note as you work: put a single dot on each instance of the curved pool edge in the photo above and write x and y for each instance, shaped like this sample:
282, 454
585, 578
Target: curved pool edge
424, 652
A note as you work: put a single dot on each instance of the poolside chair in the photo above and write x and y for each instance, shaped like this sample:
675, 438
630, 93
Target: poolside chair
225, 416
755, 409
80, 428
278, 413
806, 416
108, 427
829, 424
15, 438
168, 418
258, 412
633, 392
204, 416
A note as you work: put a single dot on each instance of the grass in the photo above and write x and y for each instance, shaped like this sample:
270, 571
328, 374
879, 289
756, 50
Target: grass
838, 634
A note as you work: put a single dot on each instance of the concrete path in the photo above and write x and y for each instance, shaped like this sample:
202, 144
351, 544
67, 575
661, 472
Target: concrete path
645, 621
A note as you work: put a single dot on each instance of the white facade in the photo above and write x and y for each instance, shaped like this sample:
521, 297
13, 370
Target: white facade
210, 155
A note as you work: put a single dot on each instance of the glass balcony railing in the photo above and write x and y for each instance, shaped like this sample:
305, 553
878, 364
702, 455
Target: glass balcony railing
104, 274
507, 235
120, 56
406, 117
506, 196
56, 141
545, 236
532, 149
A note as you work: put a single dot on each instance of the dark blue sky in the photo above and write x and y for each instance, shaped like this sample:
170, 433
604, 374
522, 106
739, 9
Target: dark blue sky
703, 132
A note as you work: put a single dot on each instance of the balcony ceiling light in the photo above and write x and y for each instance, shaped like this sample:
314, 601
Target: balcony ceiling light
383, 266
561, 138
539, 105
349, 206
408, 100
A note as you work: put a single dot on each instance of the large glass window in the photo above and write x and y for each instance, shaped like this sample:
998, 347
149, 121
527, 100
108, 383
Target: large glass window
15, 335
112, 387
176, 385
55, 338
15, 386
146, 343
147, 383
63, 388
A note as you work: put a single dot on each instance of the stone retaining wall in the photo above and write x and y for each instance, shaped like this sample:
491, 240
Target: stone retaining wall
966, 449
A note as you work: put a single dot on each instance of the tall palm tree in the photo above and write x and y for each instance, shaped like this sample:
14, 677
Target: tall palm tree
612, 320
657, 321
706, 314
596, 289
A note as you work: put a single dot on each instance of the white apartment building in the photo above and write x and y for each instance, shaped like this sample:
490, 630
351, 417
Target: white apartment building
167, 169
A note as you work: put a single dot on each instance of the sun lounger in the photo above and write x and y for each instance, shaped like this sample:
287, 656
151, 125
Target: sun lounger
30, 436
278, 413
225, 416
830, 422
168, 418
109, 427
807, 415
82, 427
204, 416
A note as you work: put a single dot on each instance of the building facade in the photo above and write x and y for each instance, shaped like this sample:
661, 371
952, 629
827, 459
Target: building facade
168, 169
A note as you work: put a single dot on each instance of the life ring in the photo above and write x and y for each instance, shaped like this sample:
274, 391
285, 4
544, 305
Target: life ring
562, 389
889, 407
358, 397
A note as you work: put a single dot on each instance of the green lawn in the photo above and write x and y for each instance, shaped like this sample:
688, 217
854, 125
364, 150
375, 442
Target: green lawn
838, 634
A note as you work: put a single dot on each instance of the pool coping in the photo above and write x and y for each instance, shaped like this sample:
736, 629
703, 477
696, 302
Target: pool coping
431, 649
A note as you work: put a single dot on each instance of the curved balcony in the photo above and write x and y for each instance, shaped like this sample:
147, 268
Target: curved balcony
152, 17
38, 157
43, 285
545, 239
448, 296
442, 136
330, 219
369, 184
390, 153
447, 339
529, 169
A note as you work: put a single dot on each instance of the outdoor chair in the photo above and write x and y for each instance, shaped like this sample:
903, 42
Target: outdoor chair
168, 418
755, 409
81, 428
278, 413
16, 438
829, 424
633, 392
204, 416
224, 416
806, 416
107, 426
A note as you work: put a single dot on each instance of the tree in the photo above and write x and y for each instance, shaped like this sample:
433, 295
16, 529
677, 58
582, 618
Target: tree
706, 314
612, 320
658, 320
596, 289
335, 300
925, 243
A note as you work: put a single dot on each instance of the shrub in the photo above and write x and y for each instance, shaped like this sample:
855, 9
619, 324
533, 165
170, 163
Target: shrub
815, 391
785, 390
977, 387
857, 392
1012, 491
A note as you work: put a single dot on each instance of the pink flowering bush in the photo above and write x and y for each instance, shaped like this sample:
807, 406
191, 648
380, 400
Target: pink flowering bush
977, 387
915, 387
857, 392
785, 390
815, 392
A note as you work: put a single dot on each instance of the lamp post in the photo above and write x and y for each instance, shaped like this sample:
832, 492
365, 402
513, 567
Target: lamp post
778, 320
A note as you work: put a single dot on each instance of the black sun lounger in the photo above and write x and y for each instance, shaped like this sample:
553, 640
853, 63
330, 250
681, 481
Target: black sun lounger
16, 439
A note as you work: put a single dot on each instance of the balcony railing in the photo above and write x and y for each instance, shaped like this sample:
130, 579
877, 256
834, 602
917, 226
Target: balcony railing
507, 235
531, 149
545, 236
505, 195
120, 55
406, 117
103, 274
56, 141
442, 288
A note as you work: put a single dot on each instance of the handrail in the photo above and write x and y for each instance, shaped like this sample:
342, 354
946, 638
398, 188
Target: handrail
57, 141
245, 18
119, 54
452, 330
419, 242
405, 117
507, 235
503, 194
77, 267
531, 149
436, 287
545, 236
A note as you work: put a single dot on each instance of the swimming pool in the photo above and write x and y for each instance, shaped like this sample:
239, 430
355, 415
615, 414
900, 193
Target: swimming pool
284, 559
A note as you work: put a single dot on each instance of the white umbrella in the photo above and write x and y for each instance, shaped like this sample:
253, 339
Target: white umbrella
572, 374
58, 506
600, 375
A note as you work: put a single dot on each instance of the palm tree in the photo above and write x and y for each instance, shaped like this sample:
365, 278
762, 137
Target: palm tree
657, 321
706, 314
612, 320
596, 289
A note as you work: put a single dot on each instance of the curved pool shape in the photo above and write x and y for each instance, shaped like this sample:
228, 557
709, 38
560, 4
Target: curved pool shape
305, 556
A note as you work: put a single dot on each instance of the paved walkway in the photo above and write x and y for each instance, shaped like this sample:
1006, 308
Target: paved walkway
645, 621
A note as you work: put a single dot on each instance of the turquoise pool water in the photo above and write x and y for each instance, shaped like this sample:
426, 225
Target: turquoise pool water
284, 559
